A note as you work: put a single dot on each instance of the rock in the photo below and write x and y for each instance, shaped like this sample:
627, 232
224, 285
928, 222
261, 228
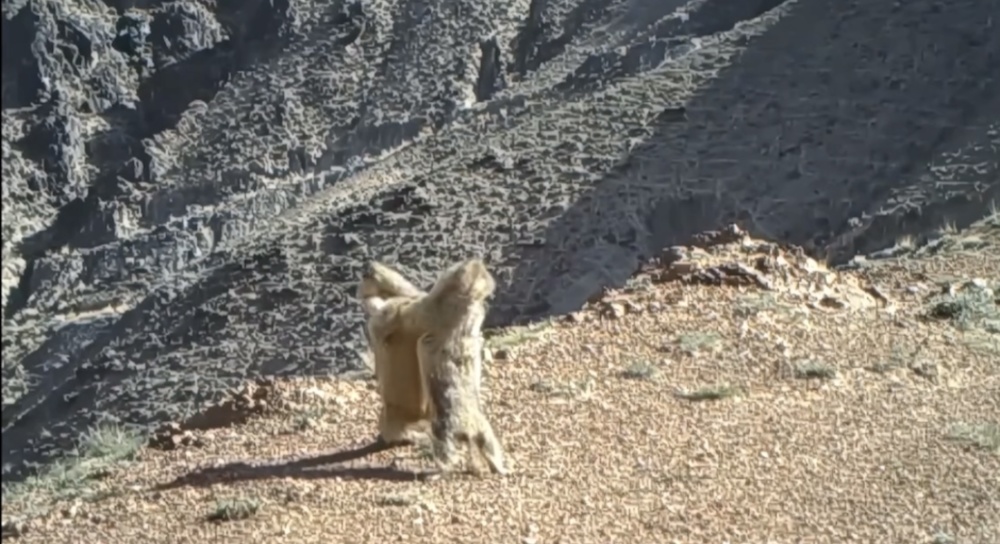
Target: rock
15, 528
576, 317
173, 436
614, 310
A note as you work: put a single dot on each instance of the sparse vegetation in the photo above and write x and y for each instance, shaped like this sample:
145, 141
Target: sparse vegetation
637, 284
711, 392
906, 242
307, 419
970, 307
984, 344
397, 500
693, 342
942, 538
948, 228
640, 370
813, 370
508, 337
425, 450
751, 305
234, 509
572, 389
97, 452
985, 436
893, 362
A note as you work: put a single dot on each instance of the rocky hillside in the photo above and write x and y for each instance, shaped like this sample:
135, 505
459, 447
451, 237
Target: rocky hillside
190, 187
733, 390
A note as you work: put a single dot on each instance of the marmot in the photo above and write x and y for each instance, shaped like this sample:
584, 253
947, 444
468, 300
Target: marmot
442, 331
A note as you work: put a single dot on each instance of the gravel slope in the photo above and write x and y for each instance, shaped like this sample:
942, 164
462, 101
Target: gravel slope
789, 404
190, 187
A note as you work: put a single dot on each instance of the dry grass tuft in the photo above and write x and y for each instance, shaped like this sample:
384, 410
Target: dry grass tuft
234, 509
712, 392
695, 342
510, 337
640, 370
97, 454
981, 435
814, 370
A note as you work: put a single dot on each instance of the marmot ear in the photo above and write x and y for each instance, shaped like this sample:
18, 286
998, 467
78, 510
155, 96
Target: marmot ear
370, 270
373, 305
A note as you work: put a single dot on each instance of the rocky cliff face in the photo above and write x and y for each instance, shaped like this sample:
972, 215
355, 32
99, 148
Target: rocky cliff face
190, 187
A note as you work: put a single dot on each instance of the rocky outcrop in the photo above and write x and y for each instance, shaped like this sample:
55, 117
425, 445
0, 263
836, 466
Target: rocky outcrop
190, 187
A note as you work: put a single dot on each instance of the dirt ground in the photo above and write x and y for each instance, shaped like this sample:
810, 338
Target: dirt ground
734, 391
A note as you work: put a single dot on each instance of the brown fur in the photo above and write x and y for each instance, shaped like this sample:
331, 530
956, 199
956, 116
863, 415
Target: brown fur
406, 409
451, 359
443, 328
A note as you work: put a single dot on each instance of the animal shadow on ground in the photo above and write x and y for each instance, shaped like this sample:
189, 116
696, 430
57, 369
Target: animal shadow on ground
302, 468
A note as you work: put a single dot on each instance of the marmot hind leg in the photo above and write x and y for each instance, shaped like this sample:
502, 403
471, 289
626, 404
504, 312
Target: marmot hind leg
405, 413
400, 426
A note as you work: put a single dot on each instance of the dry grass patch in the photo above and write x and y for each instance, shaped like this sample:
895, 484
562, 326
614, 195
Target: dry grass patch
813, 370
985, 436
711, 392
985, 344
99, 451
510, 337
307, 419
750, 305
973, 306
234, 509
898, 359
943, 538
576, 389
696, 342
398, 500
640, 370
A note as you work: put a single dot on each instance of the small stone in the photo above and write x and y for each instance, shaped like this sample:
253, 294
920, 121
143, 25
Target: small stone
926, 370
576, 317
614, 310
316, 392
14, 528
832, 302
71, 512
